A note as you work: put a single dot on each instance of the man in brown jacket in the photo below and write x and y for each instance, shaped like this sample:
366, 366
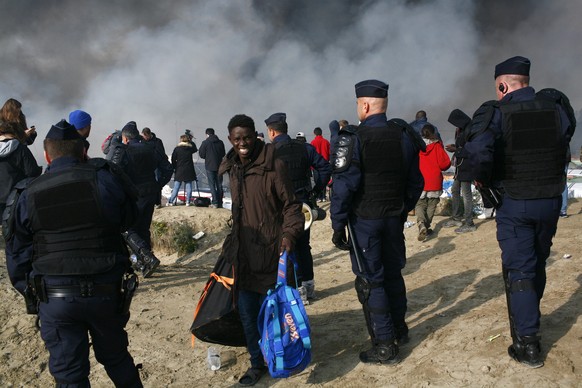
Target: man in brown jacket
267, 219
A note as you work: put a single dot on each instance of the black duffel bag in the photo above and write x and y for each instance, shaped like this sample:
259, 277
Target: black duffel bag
216, 319
200, 201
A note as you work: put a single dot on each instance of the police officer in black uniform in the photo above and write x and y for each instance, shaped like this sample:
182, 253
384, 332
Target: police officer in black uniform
65, 254
376, 182
140, 160
517, 148
300, 158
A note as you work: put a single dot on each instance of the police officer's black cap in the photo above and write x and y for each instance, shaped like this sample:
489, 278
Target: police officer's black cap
371, 88
276, 118
63, 131
459, 119
515, 65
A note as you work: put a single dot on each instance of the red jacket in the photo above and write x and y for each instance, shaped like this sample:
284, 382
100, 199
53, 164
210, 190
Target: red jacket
432, 162
321, 146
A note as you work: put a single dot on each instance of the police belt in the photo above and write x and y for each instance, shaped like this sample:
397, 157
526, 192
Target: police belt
83, 290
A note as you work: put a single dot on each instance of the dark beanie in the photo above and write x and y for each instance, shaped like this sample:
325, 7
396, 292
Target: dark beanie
130, 126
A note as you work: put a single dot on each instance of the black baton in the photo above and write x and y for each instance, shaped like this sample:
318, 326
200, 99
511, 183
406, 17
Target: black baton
355, 247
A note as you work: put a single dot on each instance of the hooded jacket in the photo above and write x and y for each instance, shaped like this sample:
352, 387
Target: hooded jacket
16, 163
432, 163
264, 211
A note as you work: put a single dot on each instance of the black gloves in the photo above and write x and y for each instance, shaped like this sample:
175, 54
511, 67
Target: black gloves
339, 240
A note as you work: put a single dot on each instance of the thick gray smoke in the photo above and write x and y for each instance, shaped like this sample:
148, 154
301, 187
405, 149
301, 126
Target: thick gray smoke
194, 64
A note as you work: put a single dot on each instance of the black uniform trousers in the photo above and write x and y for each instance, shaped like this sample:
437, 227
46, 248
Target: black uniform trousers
525, 229
145, 207
304, 257
381, 246
65, 323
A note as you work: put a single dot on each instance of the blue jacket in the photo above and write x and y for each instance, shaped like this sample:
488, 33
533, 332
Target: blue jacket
419, 123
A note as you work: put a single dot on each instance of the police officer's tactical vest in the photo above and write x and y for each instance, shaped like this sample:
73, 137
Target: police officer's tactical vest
141, 168
381, 191
71, 234
294, 154
534, 149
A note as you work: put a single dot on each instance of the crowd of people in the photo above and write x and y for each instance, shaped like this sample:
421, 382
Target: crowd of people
379, 171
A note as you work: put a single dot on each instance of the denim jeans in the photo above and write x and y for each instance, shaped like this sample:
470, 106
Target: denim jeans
215, 183
249, 305
564, 208
463, 188
177, 186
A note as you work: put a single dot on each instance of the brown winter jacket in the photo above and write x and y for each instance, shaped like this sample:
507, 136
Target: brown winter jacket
264, 210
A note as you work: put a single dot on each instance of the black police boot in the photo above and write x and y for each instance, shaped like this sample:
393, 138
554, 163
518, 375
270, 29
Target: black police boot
150, 263
383, 352
527, 350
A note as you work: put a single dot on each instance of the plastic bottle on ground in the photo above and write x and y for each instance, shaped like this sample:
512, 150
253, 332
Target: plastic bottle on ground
213, 358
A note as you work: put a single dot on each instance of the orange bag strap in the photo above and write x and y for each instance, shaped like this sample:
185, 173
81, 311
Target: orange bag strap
226, 282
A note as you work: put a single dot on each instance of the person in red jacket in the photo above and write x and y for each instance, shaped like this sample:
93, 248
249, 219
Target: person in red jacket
322, 146
433, 162
320, 143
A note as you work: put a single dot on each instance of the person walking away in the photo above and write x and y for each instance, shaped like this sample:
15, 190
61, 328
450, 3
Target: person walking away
376, 182
517, 146
139, 160
462, 216
212, 151
420, 120
322, 146
300, 158
184, 171
16, 160
66, 256
266, 220
432, 163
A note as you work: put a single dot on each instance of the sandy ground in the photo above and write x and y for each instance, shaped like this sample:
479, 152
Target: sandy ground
456, 303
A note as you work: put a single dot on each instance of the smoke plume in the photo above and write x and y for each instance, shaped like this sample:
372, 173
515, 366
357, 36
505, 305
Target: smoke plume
194, 64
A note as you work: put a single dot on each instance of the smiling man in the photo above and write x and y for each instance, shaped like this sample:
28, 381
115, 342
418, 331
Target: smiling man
267, 219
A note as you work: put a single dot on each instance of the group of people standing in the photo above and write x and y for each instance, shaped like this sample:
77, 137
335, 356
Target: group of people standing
513, 149
78, 260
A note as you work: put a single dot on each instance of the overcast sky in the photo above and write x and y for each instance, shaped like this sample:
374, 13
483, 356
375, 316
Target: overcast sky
172, 65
